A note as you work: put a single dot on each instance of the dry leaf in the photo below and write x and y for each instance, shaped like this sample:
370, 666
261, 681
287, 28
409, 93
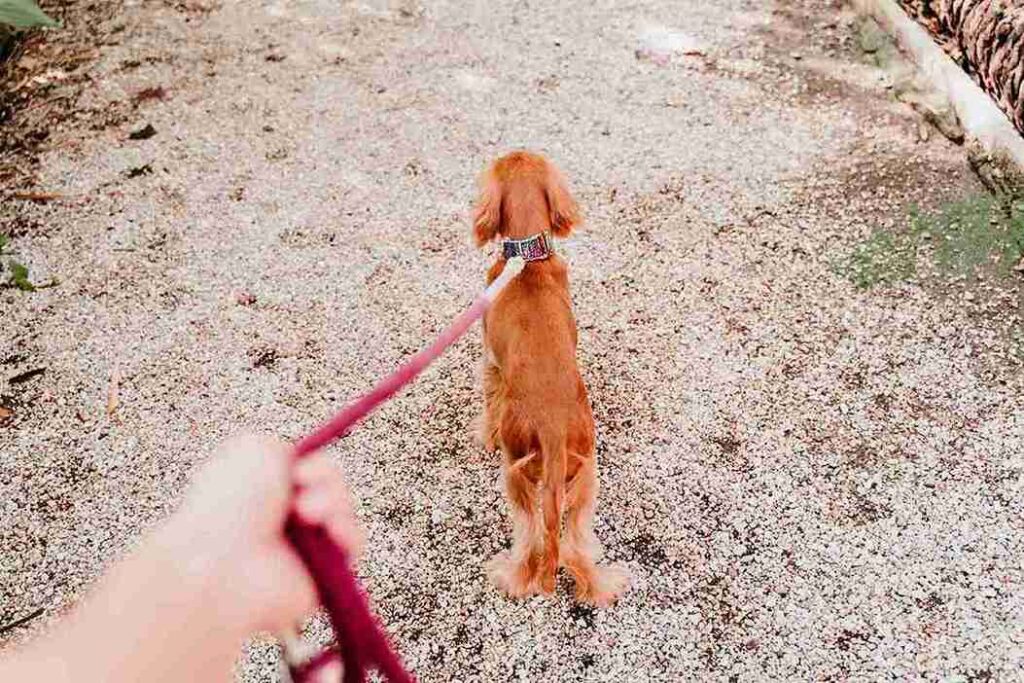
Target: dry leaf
146, 94
112, 392
38, 196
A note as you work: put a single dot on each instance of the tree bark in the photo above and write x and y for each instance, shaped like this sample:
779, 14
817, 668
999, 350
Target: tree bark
987, 38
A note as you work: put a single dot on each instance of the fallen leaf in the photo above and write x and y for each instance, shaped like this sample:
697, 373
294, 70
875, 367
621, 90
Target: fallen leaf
51, 76
5, 414
155, 93
144, 133
263, 357
38, 196
26, 376
145, 169
112, 392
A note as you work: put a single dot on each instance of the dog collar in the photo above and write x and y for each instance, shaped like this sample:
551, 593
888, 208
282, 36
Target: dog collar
534, 248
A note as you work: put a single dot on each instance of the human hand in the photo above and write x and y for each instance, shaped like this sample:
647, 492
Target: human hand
231, 530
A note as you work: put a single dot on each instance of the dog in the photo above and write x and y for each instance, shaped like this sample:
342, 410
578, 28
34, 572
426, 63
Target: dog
536, 406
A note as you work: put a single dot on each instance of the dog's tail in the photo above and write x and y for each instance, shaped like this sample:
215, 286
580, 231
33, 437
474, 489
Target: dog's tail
553, 453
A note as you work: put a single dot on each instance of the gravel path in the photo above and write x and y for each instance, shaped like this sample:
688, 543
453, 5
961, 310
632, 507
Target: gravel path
808, 481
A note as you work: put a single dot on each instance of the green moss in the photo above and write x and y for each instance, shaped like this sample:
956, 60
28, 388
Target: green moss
977, 234
23, 14
19, 277
883, 258
17, 273
875, 43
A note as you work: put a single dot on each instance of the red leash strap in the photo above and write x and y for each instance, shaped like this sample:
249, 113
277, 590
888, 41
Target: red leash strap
362, 644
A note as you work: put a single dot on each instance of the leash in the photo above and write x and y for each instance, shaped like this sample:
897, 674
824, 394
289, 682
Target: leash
362, 644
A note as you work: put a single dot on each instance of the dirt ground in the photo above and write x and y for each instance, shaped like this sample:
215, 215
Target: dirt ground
807, 480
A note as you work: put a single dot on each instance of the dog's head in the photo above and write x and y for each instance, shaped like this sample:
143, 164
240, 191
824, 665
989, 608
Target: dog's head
521, 194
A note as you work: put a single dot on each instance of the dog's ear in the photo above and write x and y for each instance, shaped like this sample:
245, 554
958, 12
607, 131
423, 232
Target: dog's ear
565, 213
487, 213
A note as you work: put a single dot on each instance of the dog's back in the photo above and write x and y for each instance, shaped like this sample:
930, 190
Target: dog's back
531, 333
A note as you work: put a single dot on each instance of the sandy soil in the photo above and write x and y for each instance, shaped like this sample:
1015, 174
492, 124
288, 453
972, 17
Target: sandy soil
808, 481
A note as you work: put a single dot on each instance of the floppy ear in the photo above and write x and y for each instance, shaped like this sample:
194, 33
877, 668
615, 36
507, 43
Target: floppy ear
487, 214
565, 214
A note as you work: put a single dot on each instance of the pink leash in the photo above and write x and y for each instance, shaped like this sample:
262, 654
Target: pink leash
362, 644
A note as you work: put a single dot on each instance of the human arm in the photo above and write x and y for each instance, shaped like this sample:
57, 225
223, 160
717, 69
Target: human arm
220, 569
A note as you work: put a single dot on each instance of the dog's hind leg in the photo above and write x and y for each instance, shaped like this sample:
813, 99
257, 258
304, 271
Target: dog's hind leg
515, 572
598, 585
485, 425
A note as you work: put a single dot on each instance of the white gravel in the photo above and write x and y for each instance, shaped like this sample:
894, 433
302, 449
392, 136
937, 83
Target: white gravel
808, 481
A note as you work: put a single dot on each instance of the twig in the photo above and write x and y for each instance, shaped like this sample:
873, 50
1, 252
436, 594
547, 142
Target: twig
112, 391
37, 196
20, 622
26, 376
43, 103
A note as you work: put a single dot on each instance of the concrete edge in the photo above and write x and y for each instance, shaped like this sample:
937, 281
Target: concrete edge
978, 114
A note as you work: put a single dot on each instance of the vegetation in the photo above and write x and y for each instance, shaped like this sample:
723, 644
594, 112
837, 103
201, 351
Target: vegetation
979, 234
16, 15
17, 273
23, 14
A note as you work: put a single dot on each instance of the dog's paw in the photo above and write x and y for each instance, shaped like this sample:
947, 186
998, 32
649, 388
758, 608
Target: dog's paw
510, 577
607, 585
581, 551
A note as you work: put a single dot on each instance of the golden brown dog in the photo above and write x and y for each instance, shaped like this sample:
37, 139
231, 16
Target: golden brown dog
537, 410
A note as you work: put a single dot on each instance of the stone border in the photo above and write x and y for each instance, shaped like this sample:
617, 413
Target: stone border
978, 114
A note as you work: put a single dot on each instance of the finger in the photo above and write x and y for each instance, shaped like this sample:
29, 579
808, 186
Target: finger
315, 505
348, 533
324, 507
324, 499
315, 469
323, 478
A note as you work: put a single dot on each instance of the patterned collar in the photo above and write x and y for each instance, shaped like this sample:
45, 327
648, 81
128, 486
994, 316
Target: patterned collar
534, 248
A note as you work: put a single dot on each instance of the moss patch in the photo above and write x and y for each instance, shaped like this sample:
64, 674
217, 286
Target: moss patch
978, 235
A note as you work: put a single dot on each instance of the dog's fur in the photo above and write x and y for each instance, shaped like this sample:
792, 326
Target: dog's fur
537, 410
